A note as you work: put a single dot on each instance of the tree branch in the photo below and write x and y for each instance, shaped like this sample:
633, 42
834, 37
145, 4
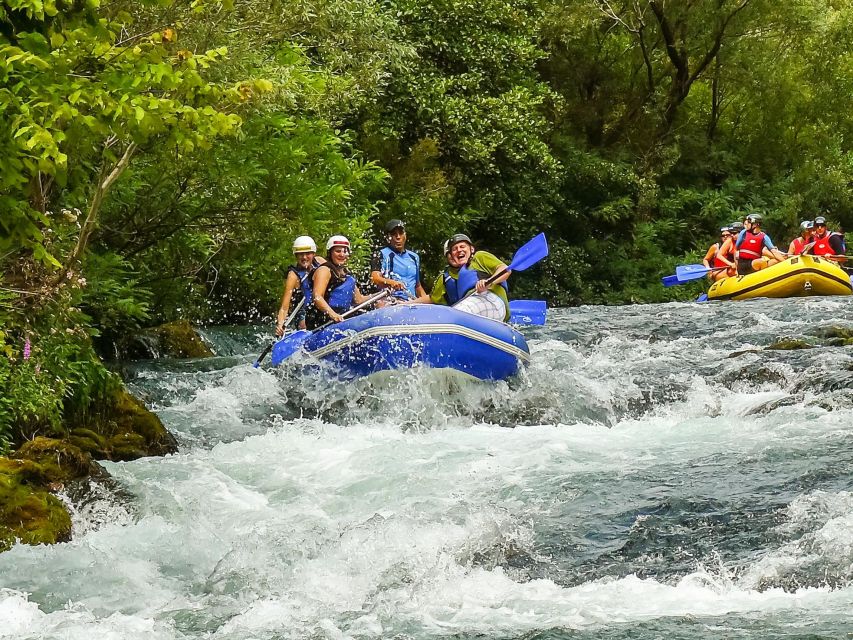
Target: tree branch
105, 180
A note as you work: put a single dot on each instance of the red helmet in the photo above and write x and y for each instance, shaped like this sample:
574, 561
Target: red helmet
338, 241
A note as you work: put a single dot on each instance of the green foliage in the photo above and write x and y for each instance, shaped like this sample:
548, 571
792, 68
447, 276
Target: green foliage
81, 91
48, 372
166, 153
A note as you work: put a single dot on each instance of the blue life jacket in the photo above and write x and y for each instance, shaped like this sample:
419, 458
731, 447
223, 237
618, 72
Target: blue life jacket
403, 267
305, 280
339, 293
457, 288
451, 288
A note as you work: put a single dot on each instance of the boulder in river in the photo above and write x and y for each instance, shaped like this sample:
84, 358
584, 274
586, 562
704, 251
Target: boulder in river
119, 428
122, 429
29, 510
177, 339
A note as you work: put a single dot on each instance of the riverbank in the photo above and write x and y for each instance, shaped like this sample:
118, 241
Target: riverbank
40, 470
59, 423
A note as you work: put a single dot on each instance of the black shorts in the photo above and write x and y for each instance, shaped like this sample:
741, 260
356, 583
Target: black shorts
744, 266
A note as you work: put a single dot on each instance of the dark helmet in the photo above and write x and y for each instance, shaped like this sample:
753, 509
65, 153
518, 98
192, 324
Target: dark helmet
754, 218
725, 229
394, 224
806, 224
456, 237
820, 220
736, 226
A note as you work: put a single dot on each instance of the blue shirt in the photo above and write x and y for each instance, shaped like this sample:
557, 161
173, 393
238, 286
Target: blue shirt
403, 267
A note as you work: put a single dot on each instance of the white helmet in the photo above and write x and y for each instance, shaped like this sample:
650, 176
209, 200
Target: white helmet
304, 244
337, 241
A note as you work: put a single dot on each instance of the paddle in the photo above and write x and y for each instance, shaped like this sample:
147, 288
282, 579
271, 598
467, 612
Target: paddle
527, 312
527, 255
289, 345
670, 281
688, 272
286, 323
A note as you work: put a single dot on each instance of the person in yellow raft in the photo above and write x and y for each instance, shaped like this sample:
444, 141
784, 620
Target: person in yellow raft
470, 292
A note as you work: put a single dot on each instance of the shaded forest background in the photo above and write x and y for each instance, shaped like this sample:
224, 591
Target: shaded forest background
158, 157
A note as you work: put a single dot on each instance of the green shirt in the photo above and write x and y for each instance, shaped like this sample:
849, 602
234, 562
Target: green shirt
482, 262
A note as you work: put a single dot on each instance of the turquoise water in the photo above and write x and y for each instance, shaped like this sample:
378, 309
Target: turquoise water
655, 473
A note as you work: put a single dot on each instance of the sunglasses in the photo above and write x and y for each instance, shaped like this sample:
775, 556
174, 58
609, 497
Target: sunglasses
725, 235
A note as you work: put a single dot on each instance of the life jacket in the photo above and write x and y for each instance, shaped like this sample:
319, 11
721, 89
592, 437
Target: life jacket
340, 291
799, 245
454, 291
306, 280
822, 246
717, 262
752, 246
407, 270
451, 288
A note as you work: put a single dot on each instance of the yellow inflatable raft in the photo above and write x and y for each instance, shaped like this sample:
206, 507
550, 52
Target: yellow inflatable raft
797, 276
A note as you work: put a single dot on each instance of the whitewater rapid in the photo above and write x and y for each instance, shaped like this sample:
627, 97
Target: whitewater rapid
656, 472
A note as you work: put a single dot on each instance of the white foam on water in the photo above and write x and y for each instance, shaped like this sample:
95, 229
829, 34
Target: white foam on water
820, 531
22, 619
366, 530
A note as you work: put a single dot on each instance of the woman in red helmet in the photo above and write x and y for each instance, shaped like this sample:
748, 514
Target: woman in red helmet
335, 290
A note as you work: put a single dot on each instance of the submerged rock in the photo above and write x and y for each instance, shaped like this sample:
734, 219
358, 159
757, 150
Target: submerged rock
789, 344
836, 336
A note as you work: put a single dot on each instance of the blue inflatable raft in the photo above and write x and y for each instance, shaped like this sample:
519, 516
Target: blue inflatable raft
407, 335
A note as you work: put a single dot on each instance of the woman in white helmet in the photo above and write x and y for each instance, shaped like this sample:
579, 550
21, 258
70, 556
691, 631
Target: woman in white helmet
299, 278
335, 290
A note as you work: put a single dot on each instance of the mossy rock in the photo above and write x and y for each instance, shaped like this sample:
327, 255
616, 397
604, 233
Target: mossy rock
28, 511
122, 429
835, 333
58, 461
127, 446
789, 344
88, 440
177, 339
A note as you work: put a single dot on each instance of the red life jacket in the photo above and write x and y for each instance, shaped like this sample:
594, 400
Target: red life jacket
799, 245
729, 256
752, 246
822, 247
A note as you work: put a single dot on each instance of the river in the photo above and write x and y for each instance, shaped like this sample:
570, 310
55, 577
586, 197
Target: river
654, 473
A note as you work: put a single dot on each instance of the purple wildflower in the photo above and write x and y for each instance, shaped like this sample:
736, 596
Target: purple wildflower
27, 349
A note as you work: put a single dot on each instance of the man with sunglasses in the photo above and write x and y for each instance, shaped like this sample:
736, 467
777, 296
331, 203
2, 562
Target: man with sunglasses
716, 259
804, 241
827, 243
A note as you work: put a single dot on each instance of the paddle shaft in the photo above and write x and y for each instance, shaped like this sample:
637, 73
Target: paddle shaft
374, 298
295, 311
290, 318
269, 347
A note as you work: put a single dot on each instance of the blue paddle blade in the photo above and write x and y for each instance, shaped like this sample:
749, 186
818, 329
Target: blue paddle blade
288, 345
529, 254
670, 281
527, 312
702, 298
467, 279
687, 272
